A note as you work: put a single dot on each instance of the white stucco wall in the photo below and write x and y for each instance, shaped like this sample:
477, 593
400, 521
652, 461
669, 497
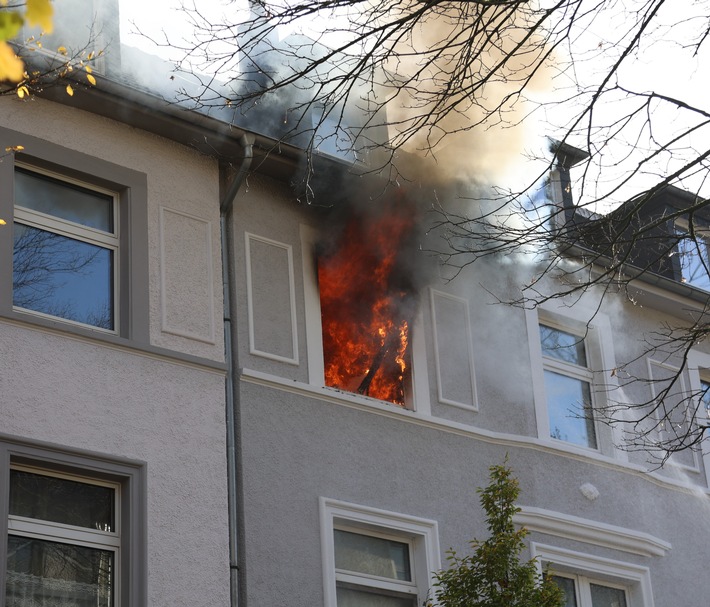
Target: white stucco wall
80, 393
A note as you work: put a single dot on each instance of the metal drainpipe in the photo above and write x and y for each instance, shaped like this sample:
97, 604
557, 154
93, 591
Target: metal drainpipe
231, 394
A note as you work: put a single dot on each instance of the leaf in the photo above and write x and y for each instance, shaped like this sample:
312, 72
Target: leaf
70, 90
22, 92
62, 50
10, 24
15, 148
11, 66
3, 222
40, 12
91, 79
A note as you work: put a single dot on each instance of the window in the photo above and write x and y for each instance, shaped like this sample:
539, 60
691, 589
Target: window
693, 255
567, 383
673, 411
374, 558
592, 581
76, 246
74, 528
580, 591
65, 249
705, 400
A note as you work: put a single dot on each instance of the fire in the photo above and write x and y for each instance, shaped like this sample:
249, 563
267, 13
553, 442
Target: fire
367, 305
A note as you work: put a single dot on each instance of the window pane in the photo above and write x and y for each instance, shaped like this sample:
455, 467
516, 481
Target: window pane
563, 346
64, 200
62, 277
372, 555
567, 586
43, 574
693, 257
61, 500
603, 596
569, 406
705, 398
348, 597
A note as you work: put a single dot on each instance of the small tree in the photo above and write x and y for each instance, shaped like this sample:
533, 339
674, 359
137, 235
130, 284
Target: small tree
493, 576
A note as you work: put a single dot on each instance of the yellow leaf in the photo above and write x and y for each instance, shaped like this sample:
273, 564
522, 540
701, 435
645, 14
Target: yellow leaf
40, 12
91, 79
14, 148
62, 50
11, 67
22, 92
70, 90
3, 222
88, 69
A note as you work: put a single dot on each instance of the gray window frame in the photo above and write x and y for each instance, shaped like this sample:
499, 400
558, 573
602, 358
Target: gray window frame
131, 188
129, 474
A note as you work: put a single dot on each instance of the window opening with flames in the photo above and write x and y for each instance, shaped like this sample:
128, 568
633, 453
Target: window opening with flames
368, 300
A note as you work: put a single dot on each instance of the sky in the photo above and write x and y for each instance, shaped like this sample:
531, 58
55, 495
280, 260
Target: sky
663, 66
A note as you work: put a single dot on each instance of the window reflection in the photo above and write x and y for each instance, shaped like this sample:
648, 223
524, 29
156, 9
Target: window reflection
41, 573
63, 277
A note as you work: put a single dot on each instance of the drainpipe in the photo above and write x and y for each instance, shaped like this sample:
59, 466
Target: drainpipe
231, 394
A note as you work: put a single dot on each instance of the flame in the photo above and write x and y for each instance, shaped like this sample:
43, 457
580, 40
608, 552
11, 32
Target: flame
366, 308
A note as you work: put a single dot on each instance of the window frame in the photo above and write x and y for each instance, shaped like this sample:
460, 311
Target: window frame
421, 535
417, 385
634, 579
109, 241
582, 583
674, 458
681, 230
131, 311
699, 370
600, 356
579, 373
129, 478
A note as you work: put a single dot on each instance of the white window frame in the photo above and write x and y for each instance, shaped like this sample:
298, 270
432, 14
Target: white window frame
131, 318
421, 535
699, 369
127, 541
49, 531
583, 593
634, 579
701, 244
597, 335
105, 240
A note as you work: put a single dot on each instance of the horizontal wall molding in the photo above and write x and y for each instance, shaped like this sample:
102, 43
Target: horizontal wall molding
375, 407
590, 532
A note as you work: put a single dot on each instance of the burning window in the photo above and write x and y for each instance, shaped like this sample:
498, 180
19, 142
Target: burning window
368, 302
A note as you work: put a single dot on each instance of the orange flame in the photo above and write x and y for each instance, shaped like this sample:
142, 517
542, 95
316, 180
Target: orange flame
365, 314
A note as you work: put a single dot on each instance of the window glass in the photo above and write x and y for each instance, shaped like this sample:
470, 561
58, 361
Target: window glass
563, 346
569, 406
567, 586
348, 597
63, 277
62, 500
51, 573
705, 398
693, 257
372, 555
603, 596
64, 200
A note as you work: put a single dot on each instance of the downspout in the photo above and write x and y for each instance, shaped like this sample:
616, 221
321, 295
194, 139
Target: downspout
236, 572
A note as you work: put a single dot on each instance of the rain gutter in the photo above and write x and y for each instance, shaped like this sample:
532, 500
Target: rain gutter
234, 490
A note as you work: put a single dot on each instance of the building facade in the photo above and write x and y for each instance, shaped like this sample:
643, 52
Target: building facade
148, 460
